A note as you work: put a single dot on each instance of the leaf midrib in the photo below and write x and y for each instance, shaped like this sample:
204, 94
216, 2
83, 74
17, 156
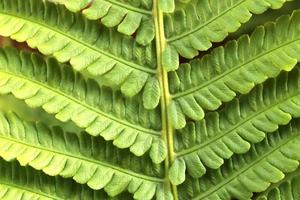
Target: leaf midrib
28, 190
245, 120
86, 45
82, 158
245, 168
88, 107
167, 130
197, 28
219, 77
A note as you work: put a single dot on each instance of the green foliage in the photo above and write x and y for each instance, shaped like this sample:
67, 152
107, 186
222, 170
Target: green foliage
288, 188
65, 93
82, 42
129, 17
265, 163
25, 183
146, 99
242, 122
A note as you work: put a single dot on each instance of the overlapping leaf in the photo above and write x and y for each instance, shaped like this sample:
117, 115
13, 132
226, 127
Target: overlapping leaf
241, 123
24, 183
86, 159
236, 68
195, 25
129, 16
265, 163
70, 96
285, 190
115, 60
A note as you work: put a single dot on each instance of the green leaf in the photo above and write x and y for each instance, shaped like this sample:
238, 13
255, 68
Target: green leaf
116, 60
167, 6
68, 95
177, 172
237, 67
32, 144
285, 189
151, 94
177, 117
127, 16
265, 163
242, 122
25, 183
158, 152
105, 112
163, 194
194, 26
170, 60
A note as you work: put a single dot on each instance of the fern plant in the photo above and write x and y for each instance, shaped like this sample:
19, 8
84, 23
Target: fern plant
148, 99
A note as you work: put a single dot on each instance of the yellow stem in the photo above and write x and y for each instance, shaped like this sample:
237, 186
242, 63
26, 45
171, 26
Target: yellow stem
167, 130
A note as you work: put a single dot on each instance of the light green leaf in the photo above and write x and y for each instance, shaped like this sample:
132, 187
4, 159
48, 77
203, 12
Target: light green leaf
163, 194
194, 26
104, 54
170, 60
118, 101
158, 151
243, 121
167, 6
177, 172
126, 15
285, 189
241, 176
68, 95
151, 94
237, 67
25, 183
32, 143
177, 117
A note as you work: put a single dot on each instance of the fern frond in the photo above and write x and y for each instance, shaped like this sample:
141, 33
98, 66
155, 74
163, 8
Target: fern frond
204, 84
24, 183
101, 111
195, 25
128, 16
241, 123
286, 189
86, 159
117, 102
265, 163
116, 60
